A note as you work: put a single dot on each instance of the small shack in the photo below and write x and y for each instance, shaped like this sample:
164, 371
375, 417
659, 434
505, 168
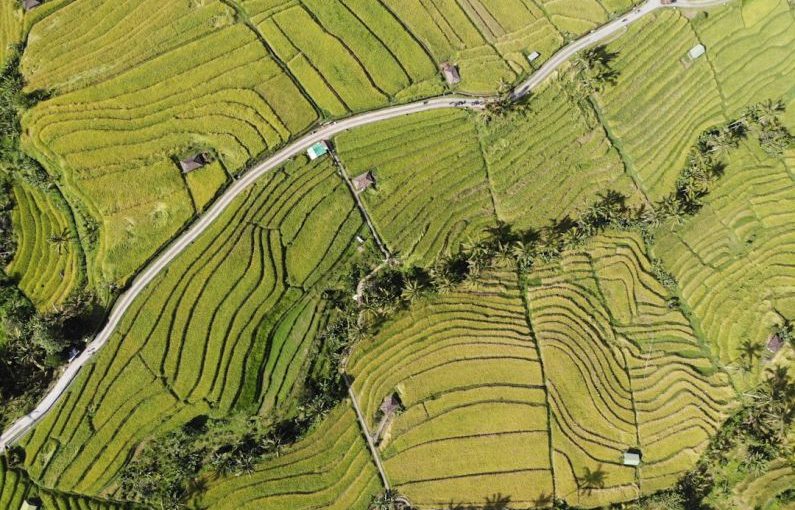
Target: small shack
774, 344
194, 162
30, 4
30, 504
450, 73
696, 51
390, 404
316, 150
363, 181
632, 457
533, 56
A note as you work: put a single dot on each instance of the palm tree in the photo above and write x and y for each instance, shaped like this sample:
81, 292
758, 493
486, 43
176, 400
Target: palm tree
411, 291
591, 480
385, 501
60, 240
750, 351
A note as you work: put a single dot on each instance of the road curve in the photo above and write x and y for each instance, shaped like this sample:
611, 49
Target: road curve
177, 246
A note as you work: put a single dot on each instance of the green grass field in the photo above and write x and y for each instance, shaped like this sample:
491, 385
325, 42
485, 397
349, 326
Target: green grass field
229, 326
47, 270
329, 468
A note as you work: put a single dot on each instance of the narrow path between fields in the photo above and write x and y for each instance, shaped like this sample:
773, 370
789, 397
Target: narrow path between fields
327, 131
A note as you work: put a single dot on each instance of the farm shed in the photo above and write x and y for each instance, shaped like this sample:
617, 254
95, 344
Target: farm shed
450, 73
316, 150
364, 181
696, 51
533, 56
194, 162
632, 457
774, 344
30, 4
30, 504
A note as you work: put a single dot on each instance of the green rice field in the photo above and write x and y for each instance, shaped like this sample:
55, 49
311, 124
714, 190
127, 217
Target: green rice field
522, 387
733, 260
228, 327
330, 468
15, 488
47, 262
429, 199
590, 362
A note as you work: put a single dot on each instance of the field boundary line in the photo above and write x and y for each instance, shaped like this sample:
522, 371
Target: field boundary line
373, 450
343, 172
528, 319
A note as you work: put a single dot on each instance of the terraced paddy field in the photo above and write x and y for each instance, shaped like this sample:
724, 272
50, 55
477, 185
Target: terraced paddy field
198, 83
574, 18
531, 410
660, 105
623, 370
330, 468
15, 488
228, 327
467, 370
10, 27
733, 260
47, 262
547, 164
431, 189
750, 49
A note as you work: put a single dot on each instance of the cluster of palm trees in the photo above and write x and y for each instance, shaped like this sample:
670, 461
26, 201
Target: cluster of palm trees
758, 433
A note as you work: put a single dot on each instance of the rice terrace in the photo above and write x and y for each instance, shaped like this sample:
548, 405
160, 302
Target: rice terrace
397, 254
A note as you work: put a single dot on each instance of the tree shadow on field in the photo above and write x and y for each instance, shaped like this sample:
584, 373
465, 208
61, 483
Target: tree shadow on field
493, 502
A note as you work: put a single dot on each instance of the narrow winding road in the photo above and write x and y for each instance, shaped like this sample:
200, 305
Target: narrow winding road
327, 131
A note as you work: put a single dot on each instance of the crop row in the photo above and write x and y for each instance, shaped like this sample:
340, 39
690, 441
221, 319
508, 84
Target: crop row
112, 141
46, 262
475, 422
229, 326
427, 199
16, 488
626, 371
662, 101
749, 48
549, 162
733, 260
329, 468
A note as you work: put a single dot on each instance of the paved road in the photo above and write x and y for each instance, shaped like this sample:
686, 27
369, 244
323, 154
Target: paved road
18, 428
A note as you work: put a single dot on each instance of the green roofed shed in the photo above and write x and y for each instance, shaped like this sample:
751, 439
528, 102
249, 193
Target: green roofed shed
317, 150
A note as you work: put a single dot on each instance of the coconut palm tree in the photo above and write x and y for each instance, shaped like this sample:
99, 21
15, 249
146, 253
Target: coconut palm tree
591, 480
750, 352
60, 240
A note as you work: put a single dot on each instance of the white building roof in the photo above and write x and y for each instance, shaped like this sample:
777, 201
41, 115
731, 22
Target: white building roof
696, 51
631, 459
532, 56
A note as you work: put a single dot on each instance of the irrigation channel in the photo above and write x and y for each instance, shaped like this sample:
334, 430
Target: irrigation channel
324, 132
